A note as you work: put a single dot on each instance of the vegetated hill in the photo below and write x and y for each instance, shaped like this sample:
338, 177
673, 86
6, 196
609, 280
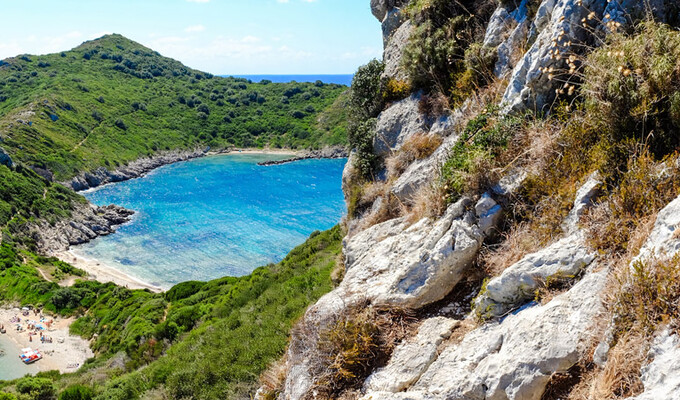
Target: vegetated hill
111, 100
224, 333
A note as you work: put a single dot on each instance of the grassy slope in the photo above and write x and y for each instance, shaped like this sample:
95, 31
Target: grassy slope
225, 332
111, 100
108, 102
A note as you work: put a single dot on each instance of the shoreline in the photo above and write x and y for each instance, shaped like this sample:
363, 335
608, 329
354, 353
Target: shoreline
63, 354
101, 272
104, 273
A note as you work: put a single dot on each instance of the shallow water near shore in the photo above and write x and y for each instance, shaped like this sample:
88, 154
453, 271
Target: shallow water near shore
11, 366
216, 216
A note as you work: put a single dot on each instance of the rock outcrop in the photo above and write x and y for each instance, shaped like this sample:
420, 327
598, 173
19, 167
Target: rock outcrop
326, 152
412, 358
398, 123
5, 159
394, 263
661, 377
513, 358
135, 169
87, 222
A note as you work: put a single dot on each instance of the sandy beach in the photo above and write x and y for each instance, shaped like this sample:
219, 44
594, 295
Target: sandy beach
66, 353
103, 273
283, 152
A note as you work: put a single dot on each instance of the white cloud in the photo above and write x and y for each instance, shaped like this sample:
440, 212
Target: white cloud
194, 28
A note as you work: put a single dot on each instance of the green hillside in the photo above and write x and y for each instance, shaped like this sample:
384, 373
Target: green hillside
111, 100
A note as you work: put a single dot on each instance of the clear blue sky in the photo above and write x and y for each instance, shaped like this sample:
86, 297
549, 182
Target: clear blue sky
218, 36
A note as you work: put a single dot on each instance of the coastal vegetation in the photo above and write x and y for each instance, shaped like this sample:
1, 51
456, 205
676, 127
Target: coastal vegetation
106, 103
111, 101
208, 340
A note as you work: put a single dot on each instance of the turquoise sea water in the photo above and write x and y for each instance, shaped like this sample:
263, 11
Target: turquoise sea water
339, 79
216, 216
11, 366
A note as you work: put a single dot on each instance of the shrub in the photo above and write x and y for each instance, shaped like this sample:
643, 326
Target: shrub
416, 147
645, 188
77, 392
121, 124
361, 139
36, 388
633, 85
394, 89
356, 343
366, 91
468, 165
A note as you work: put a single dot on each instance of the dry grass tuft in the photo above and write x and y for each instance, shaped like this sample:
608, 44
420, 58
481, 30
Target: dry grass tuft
621, 375
417, 147
357, 342
645, 188
429, 201
515, 244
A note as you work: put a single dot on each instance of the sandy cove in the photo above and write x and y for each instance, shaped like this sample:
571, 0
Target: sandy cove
283, 152
65, 357
104, 273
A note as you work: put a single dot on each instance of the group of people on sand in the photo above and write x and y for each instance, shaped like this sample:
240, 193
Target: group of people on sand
33, 327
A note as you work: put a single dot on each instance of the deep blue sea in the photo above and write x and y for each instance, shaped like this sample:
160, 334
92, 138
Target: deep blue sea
216, 216
339, 79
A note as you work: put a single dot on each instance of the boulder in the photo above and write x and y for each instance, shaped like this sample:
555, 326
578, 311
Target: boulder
663, 240
394, 51
584, 199
5, 159
398, 264
422, 172
488, 213
518, 283
514, 358
397, 123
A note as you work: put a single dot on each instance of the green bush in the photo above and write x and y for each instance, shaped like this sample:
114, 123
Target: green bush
366, 102
633, 85
77, 392
37, 388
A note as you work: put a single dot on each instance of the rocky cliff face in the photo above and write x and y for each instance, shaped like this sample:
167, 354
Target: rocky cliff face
512, 342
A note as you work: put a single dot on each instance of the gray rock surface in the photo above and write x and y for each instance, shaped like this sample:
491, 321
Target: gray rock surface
556, 21
584, 199
398, 123
411, 358
513, 359
396, 264
661, 377
488, 213
86, 223
404, 265
663, 240
394, 51
518, 283
5, 159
